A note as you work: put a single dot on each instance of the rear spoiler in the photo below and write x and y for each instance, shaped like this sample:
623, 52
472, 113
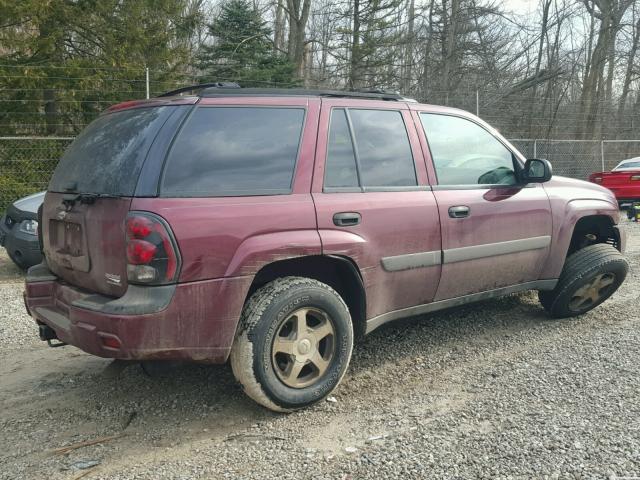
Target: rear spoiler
152, 102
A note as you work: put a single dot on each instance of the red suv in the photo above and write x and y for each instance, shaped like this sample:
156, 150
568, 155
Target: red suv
272, 227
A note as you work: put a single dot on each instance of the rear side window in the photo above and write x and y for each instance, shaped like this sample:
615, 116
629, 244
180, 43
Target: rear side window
107, 156
228, 151
368, 149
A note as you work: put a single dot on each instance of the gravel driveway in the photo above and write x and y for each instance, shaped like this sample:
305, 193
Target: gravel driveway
495, 390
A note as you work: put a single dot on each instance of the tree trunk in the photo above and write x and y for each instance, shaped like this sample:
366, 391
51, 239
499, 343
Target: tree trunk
543, 34
354, 73
279, 27
298, 16
628, 76
426, 64
408, 47
449, 37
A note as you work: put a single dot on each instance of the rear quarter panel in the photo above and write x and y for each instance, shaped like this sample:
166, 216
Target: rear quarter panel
236, 236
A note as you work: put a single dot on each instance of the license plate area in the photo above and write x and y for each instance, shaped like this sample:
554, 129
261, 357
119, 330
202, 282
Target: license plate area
66, 238
67, 245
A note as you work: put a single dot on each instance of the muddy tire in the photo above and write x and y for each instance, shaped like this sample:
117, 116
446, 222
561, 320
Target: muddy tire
589, 277
293, 345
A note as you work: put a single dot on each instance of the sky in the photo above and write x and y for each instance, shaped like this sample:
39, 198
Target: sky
521, 7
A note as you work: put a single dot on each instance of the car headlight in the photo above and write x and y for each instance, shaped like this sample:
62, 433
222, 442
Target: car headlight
29, 227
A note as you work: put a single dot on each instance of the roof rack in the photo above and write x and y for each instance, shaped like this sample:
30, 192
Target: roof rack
286, 92
219, 89
201, 86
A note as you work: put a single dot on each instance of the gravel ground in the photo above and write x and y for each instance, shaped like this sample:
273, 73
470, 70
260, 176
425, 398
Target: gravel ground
493, 390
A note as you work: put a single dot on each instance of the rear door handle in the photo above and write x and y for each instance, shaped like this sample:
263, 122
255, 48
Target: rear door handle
459, 211
346, 219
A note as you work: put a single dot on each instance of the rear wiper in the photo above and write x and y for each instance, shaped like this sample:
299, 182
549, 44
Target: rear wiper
69, 199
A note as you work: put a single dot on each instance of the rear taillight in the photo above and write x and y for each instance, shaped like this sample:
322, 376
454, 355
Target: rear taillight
152, 253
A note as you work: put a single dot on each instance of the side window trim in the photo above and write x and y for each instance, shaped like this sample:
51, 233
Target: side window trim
517, 164
353, 189
354, 145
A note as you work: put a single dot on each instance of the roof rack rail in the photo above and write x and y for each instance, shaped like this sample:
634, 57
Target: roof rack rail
261, 92
200, 86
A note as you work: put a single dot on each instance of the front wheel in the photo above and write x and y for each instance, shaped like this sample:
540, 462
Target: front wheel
294, 343
589, 277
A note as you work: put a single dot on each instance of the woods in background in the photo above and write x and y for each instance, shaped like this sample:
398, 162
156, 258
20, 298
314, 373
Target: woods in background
570, 69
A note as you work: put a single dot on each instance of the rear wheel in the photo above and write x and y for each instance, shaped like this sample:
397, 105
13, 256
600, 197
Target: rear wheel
589, 277
294, 343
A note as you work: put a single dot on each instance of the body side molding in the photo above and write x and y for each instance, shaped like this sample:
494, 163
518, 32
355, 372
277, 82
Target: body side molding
376, 322
412, 260
474, 252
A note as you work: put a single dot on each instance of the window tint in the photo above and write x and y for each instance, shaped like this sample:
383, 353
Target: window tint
108, 155
225, 151
340, 166
464, 153
383, 149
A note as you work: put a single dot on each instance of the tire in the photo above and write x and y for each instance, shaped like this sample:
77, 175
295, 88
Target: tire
277, 366
589, 277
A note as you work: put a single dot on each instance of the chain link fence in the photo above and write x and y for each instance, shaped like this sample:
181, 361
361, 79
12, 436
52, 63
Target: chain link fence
26, 163
579, 158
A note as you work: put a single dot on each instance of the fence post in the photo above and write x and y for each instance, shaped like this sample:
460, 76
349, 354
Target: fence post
477, 103
146, 77
535, 148
602, 154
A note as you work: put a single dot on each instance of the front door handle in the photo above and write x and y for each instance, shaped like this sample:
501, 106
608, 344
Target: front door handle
459, 211
346, 219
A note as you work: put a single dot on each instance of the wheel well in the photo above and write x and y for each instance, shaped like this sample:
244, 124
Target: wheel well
340, 273
593, 229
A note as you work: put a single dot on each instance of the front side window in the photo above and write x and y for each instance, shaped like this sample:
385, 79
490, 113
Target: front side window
368, 149
464, 153
229, 151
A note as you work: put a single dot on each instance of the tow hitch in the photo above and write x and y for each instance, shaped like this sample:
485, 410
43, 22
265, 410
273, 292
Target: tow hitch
48, 334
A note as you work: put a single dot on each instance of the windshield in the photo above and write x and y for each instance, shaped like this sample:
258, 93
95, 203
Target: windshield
107, 156
623, 165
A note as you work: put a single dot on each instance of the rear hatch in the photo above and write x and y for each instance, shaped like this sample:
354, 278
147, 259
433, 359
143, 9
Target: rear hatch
89, 197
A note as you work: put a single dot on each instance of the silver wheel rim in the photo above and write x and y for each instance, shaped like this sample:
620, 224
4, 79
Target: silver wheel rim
592, 292
303, 347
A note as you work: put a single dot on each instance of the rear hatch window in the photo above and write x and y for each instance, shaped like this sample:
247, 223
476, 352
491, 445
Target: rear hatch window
106, 158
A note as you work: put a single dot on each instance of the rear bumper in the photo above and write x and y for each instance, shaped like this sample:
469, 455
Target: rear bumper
192, 321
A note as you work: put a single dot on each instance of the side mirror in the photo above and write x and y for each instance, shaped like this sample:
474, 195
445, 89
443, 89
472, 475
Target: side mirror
537, 171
